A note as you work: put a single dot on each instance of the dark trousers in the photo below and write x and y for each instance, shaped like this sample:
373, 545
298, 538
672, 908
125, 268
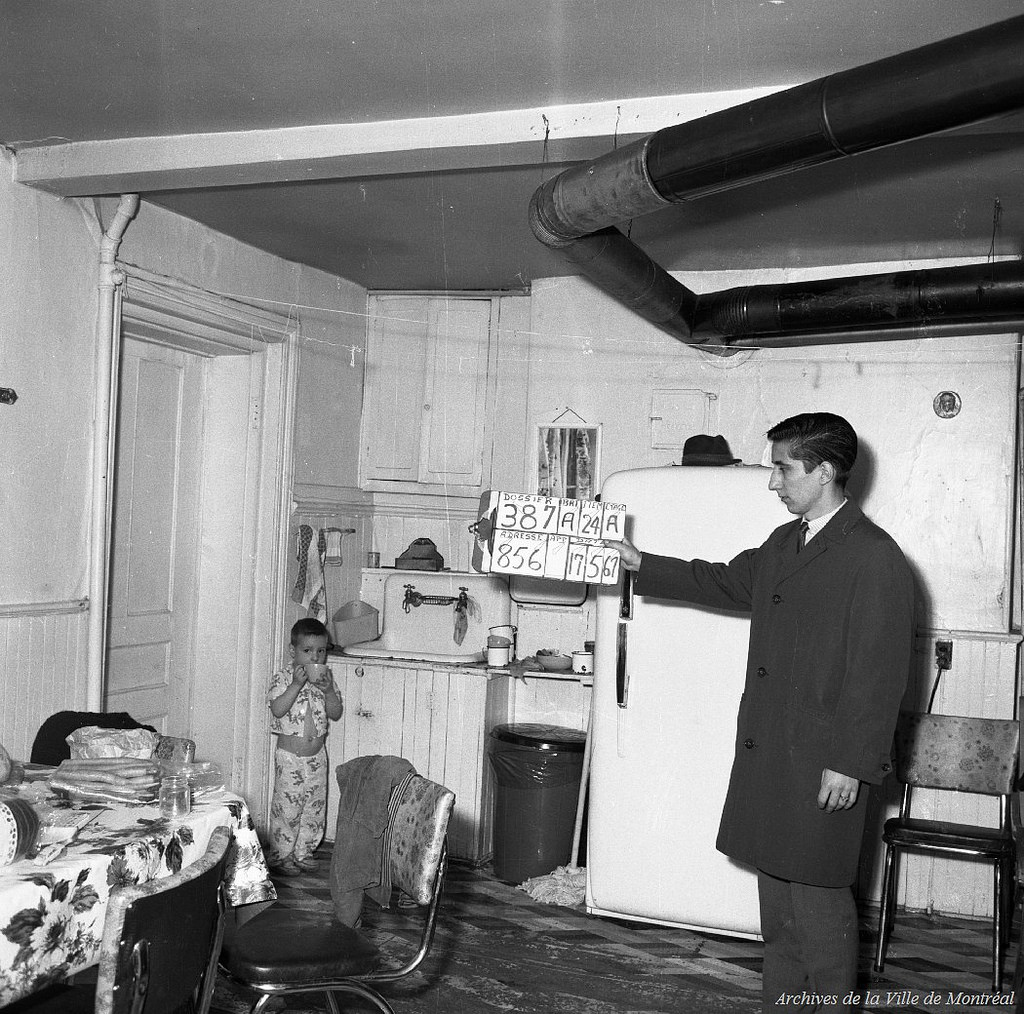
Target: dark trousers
810, 945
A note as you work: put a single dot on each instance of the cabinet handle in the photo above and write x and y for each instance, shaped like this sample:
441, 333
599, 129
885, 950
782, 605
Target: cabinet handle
359, 670
621, 667
363, 713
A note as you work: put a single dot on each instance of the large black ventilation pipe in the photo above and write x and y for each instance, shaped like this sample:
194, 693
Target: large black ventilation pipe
946, 84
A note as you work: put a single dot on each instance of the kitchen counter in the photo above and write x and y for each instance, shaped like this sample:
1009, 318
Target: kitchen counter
526, 669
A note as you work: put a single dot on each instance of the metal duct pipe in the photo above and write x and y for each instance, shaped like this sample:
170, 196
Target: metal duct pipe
988, 294
936, 87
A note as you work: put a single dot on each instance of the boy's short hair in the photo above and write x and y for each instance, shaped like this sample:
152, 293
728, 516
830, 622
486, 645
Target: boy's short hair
815, 437
309, 626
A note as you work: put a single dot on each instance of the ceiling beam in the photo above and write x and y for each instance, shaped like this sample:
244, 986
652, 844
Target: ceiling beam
556, 134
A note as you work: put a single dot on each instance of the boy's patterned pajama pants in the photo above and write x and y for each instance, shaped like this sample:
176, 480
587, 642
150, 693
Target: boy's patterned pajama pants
299, 806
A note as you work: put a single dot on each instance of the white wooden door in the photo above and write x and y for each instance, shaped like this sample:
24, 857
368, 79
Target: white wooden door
153, 550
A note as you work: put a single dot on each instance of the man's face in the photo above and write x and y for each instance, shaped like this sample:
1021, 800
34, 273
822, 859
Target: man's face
799, 490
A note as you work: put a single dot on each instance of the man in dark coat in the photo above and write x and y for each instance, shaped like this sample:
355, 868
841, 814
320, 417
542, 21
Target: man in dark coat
831, 602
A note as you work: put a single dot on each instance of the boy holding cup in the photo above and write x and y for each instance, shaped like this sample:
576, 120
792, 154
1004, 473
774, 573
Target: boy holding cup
303, 699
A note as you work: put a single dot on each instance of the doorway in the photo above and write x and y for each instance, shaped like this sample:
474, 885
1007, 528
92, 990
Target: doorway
199, 546
154, 556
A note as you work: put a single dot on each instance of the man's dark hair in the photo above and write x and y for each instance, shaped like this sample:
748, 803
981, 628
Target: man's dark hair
815, 437
309, 626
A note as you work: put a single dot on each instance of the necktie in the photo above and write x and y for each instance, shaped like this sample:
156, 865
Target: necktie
801, 539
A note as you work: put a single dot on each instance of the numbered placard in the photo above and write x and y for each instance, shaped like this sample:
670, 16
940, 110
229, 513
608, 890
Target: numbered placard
551, 537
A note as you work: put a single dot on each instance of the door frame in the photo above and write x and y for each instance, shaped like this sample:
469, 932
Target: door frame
245, 494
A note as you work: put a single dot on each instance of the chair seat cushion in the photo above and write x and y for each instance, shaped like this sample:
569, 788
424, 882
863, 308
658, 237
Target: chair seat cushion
286, 945
935, 834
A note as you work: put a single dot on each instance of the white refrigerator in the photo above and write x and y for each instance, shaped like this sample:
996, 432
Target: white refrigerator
667, 683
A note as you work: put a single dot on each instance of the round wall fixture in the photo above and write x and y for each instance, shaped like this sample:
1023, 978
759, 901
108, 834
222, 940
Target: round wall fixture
946, 404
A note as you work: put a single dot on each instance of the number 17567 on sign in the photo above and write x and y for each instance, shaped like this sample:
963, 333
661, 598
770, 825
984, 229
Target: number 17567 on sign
558, 557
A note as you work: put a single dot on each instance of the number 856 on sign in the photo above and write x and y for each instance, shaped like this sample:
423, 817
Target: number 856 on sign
553, 556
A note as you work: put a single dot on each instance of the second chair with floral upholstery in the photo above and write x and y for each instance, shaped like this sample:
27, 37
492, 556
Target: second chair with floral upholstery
284, 950
961, 754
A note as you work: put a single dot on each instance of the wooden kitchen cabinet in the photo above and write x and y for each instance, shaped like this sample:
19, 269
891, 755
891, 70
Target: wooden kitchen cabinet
428, 392
436, 718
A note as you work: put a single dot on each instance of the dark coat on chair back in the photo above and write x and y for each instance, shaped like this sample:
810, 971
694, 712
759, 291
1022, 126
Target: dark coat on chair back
829, 656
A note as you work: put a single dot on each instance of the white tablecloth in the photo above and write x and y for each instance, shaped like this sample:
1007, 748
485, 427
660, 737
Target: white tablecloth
51, 916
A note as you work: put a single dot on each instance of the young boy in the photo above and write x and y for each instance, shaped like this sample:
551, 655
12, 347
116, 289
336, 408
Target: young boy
302, 699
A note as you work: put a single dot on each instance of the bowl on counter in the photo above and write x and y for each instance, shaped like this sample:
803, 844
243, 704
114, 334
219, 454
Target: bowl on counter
555, 663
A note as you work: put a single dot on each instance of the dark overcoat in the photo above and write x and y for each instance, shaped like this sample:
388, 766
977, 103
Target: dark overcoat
830, 645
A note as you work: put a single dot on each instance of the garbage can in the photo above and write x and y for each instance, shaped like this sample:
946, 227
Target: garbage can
537, 770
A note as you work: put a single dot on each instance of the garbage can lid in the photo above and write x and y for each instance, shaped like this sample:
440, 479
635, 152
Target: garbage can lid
541, 737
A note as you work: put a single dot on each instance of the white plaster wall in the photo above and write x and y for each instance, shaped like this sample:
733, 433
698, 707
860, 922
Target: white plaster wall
48, 309
943, 488
331, 313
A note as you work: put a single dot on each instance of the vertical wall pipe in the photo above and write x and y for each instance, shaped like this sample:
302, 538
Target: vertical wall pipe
108, 327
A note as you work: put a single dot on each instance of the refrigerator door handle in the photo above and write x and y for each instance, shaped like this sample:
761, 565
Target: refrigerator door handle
626, 596
621, 668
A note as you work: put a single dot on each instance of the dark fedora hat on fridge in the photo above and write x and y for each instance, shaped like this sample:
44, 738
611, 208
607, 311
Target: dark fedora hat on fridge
706, 450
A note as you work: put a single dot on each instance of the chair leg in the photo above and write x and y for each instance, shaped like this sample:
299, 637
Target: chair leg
366, 992
885, 916
261, 1003
997, 928
1010, 889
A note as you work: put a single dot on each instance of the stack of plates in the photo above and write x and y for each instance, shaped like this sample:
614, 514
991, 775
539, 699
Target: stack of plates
19, 827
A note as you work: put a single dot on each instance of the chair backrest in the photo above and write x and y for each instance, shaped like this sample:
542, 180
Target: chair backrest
50, 744
418, 827
161, 940
955, 752
175, 749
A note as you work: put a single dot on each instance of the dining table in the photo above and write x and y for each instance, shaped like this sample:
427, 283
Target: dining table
52, 906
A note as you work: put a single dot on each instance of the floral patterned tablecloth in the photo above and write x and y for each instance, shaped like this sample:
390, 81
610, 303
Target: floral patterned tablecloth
51, 916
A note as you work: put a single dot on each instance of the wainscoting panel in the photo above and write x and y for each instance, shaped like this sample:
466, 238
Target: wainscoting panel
43, 651
437, 719
341, 581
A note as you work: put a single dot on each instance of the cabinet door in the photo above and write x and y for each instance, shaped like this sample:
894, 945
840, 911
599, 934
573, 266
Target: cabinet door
454, 411
393, 388
426, 393
370, 723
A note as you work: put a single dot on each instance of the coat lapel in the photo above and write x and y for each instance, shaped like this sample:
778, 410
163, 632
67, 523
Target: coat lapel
842, 522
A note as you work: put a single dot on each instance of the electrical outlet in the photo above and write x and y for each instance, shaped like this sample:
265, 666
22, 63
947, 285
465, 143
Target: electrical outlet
943, 654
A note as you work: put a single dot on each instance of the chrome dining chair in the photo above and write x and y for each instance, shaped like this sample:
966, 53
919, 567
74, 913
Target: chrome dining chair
283, 950
160, 945
961, 754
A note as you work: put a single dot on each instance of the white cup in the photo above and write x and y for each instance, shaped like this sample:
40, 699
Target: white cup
317, 673
498, 656
583, 661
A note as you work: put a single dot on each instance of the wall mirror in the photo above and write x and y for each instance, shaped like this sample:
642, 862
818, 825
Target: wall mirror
568, 459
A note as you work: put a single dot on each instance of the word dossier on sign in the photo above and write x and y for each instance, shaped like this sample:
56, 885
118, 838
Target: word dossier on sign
548, 536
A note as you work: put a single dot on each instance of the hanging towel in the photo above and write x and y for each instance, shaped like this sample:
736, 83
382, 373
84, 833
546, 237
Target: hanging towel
303, 541
461, 622
317, 602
